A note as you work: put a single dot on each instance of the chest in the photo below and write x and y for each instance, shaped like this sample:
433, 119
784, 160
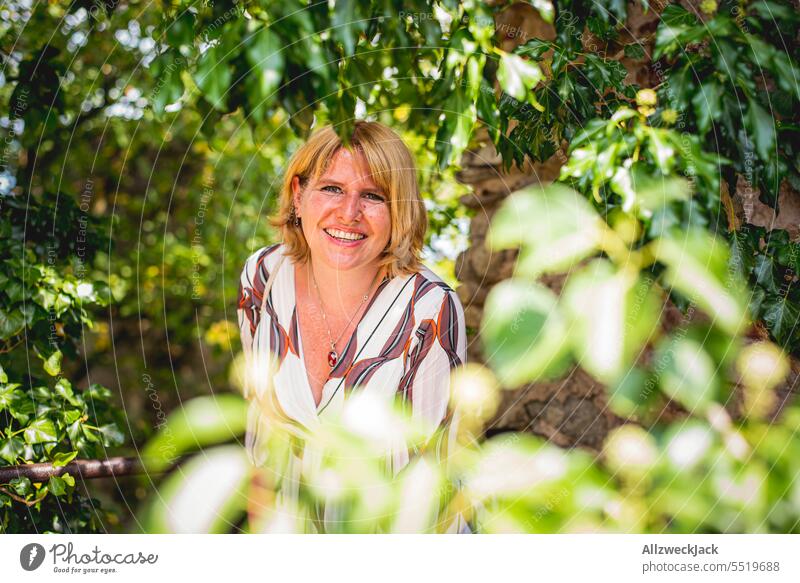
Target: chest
316, 343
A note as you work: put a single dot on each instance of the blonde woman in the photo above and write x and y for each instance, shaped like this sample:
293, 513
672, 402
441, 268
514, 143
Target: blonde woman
350, 303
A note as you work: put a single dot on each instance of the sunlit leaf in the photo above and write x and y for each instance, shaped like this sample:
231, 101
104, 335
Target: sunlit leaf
518, 76
555, 226
52, 364
207, 495
41, 431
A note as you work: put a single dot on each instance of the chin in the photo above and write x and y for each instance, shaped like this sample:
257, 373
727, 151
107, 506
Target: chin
345, 261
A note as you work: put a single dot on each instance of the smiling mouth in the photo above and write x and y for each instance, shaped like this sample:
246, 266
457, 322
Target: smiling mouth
344, 235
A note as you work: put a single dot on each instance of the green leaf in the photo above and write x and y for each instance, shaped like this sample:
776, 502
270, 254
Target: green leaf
20, 405
3, 375
40, 431
56, 486
213, 77
265, 55
655, 192
71, 416
634, 51
676, 30
22, 486
169, 86
52, 364
458, 121
11, 449
346, 24
68, 480
555, 226
7, 395
63, 389
523, 332
518, 76
62, 459
112, 436
782, 317
761, 127
12, 322
707, 105
688, 373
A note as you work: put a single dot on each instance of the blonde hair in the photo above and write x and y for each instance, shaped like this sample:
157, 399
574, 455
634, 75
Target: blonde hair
392, 168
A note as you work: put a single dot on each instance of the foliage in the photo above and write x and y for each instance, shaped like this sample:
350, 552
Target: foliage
44, 301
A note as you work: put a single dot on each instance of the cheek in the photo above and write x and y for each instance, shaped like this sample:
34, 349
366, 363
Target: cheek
383, 229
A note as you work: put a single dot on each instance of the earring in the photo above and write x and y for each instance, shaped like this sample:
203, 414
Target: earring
293, 218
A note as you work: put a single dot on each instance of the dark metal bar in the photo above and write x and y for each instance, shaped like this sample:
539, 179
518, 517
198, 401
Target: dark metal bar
83, 469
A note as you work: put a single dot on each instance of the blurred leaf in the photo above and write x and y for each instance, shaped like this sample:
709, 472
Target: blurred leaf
707, 105
545, 8
633, 390
612, 315
688, 373
207, 495
697, 267
418, 498
213, 76
265, 55
201, 422
524, 335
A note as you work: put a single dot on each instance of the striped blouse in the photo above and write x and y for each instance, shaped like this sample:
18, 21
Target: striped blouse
409, 338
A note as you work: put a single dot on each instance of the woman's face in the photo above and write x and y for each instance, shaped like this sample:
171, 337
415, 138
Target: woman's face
345, 215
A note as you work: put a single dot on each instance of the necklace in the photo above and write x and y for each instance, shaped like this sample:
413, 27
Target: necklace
333, 356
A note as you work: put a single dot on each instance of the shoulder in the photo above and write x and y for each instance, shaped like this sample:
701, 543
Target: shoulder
263, 260
432, 293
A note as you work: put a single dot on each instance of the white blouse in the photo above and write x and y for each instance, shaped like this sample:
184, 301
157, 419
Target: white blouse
409, 338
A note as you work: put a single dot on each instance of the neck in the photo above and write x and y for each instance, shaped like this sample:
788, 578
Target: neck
343, 289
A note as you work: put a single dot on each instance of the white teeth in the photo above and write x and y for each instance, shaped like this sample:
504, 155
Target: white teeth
344, 235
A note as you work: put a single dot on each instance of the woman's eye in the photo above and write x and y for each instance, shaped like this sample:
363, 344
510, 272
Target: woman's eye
375, 197
336, 189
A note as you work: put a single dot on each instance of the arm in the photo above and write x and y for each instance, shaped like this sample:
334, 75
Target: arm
441, 347
248, 306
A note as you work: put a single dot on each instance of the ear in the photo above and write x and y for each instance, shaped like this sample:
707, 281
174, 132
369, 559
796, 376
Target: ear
296, 191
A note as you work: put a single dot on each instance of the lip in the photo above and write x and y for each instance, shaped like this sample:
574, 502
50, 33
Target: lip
346, 230
344, 243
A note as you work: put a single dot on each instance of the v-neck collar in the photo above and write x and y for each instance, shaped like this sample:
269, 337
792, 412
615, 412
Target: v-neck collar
324, 398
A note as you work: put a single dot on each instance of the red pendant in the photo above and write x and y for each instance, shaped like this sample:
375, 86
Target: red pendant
332, 358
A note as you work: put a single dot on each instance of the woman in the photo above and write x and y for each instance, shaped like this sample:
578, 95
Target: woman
350, 303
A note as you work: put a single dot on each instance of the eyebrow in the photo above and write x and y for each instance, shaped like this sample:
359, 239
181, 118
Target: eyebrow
339, 184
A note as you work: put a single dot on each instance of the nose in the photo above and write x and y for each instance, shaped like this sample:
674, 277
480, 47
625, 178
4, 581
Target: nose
350, 207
